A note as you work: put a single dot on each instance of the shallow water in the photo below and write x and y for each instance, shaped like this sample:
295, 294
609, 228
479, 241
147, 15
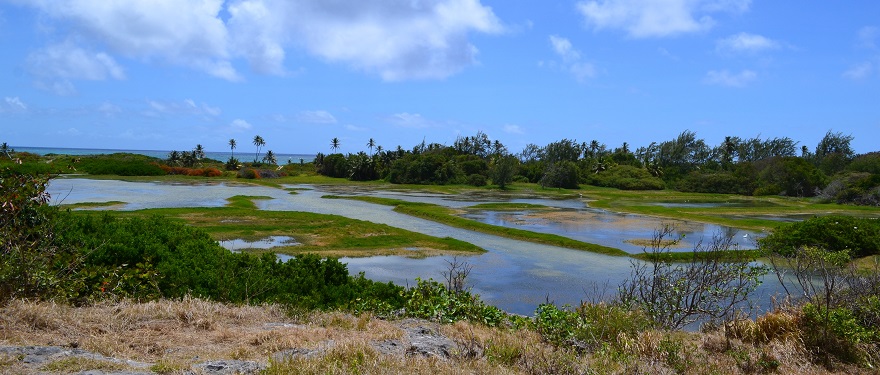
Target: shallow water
262, 244
513, 275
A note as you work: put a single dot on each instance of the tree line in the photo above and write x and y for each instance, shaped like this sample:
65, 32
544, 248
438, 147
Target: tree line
747, 166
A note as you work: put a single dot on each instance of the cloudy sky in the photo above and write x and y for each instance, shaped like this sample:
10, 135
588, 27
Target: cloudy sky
168, 74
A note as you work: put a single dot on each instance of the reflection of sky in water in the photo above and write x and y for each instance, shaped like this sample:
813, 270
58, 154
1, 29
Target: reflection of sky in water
514, 275
609, 229
263, 244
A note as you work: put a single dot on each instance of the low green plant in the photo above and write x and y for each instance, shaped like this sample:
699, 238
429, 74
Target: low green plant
430, 299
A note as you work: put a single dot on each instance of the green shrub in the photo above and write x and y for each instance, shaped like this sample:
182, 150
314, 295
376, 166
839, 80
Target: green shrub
121, 165
590, 326
859, 236
837, 331
626, 177
563, 174
432, 300
477, 180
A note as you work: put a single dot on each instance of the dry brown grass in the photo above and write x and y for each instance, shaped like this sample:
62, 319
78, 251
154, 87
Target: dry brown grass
175, 335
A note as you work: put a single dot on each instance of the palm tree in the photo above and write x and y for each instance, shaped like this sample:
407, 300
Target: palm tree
270, 158
259, 142
199, 152
174, 158
232, 147
370, 144
334, 144
4, 148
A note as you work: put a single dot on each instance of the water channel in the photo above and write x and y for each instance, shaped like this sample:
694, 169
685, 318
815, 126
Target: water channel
513, 275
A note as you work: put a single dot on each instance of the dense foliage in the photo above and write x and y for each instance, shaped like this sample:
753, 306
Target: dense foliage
859, 237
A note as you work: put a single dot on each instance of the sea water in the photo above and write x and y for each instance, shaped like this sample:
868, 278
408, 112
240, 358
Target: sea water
221, 156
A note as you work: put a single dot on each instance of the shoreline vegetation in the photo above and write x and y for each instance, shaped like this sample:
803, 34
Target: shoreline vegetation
61, 268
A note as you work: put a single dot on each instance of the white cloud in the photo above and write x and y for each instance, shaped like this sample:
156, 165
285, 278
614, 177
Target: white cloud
188, 33
656, 18
571, 59
184, 107
396, 39
316, 117
726, 78
15, 104
868, 37
563, 48
109, 109
409, 120
513, 129
745, 43
70, 132
68, 61
239, 125
860, 71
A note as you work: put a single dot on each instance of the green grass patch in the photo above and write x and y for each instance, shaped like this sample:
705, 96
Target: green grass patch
93, 204
244, 201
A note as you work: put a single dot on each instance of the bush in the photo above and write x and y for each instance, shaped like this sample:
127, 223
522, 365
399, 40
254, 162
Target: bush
232, 164
790, 176
626, 177
720, 183
432, 300
121, 165
248, 173
334, 165
859, 236
477, 180
563, 174
590, 326
843, 335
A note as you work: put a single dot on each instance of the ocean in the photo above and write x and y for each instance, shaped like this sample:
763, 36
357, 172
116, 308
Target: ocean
221, 156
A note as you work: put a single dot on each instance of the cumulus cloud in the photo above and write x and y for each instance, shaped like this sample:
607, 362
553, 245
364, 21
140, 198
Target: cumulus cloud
745, 43
188, 33
728, 79
656, 18
69, 61
396, 39
571, 59
316, 117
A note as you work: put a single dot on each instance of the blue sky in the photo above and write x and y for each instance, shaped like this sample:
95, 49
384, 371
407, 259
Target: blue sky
170, 74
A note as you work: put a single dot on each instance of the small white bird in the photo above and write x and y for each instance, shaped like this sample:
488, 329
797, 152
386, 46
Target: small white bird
746, 235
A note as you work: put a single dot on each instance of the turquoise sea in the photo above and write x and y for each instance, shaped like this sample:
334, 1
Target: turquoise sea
221, 156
